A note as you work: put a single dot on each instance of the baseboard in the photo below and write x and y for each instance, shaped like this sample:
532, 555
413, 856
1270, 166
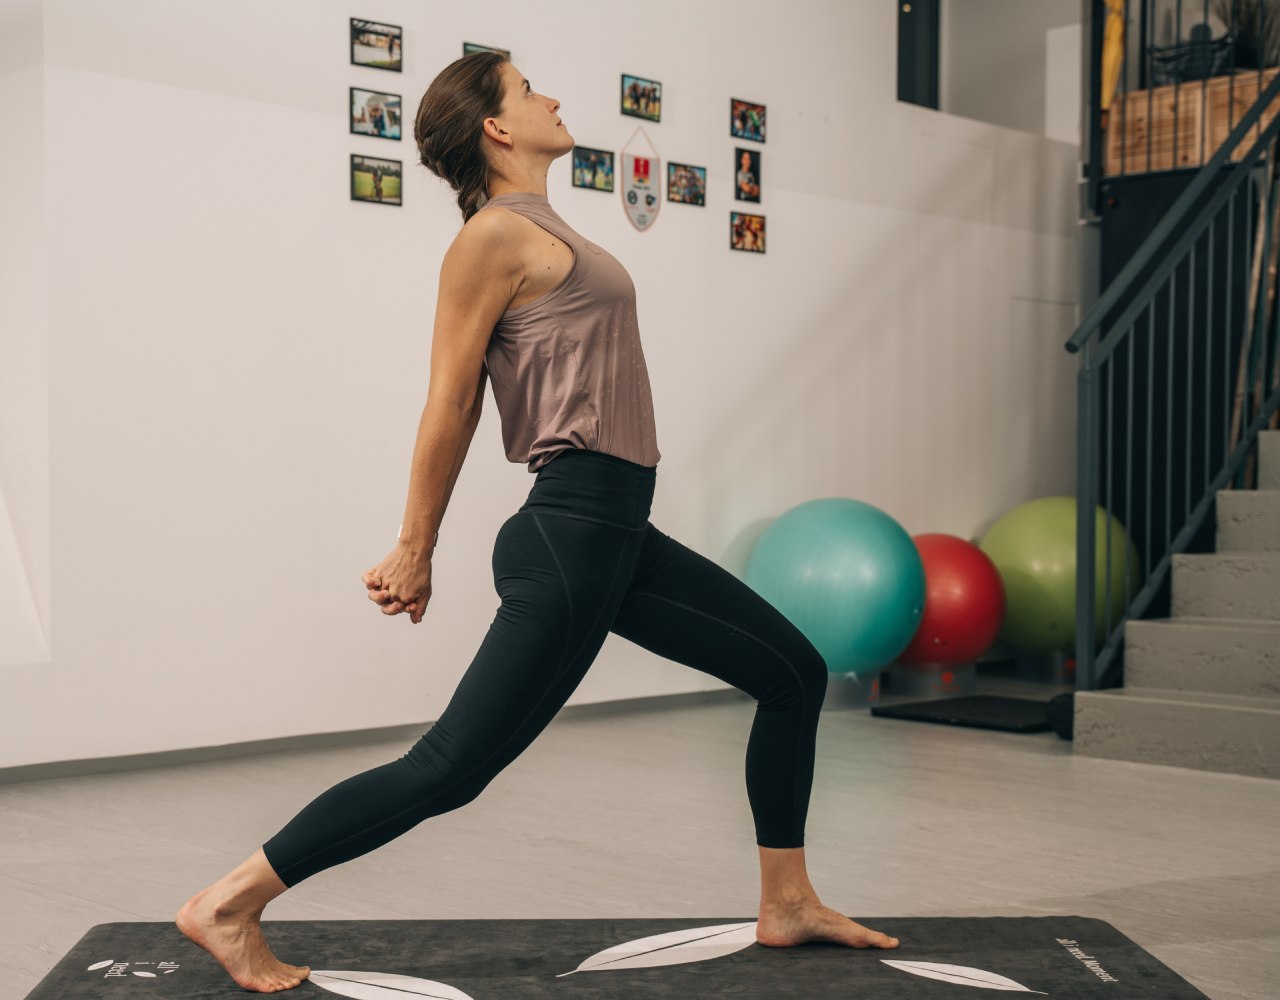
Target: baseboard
325, 741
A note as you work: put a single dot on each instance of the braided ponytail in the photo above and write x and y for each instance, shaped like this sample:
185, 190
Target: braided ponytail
448, 126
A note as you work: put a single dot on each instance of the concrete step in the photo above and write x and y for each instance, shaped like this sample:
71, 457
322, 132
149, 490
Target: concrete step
1227, 585
1248, 521
1207, 732
1217, 655
1269, 460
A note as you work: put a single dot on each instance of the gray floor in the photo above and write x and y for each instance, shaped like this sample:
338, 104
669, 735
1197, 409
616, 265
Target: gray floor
644, 814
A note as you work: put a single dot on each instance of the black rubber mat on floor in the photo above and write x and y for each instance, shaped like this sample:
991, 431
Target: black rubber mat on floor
1068, 957
980, 711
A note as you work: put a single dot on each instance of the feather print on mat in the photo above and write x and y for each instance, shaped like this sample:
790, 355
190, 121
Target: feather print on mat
961, 974
693, 944
383, 986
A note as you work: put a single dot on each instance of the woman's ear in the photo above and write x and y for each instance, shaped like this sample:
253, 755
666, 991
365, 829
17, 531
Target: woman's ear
494, 131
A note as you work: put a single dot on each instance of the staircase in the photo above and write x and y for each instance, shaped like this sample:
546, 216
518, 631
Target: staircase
1203, 687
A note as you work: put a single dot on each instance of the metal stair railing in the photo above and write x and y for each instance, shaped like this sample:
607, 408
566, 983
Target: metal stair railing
1254, 398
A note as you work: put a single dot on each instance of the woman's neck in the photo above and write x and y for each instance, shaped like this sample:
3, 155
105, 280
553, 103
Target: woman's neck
495, 191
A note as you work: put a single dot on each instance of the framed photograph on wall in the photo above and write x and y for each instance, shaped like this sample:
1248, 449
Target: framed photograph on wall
746, 120
376, 45
746, 172
469, 47
641, 98
375, 114
746, 232
593, 168
375, 179
686, 184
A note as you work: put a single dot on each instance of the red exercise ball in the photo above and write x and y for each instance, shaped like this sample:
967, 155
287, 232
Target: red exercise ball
964, 602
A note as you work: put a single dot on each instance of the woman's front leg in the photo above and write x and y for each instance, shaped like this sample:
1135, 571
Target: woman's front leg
686, 608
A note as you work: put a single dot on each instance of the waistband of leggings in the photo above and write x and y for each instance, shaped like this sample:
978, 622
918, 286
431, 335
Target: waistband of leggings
594, 486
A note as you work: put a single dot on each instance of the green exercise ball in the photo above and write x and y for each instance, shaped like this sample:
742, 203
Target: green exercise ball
847, 575
1034, 548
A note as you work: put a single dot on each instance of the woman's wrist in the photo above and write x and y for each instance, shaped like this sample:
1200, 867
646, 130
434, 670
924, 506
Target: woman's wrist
435, 539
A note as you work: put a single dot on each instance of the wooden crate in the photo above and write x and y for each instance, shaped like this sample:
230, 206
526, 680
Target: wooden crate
1229, 100
1198, 113
1160, 115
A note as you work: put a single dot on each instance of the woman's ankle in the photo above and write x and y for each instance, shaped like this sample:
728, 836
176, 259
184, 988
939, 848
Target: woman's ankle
789, 899
784, 877
238, 910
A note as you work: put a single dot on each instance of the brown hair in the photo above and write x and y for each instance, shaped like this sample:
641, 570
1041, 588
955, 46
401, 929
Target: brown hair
449, 129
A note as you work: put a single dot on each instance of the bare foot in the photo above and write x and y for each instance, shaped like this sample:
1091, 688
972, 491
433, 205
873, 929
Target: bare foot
782, 926
236, 941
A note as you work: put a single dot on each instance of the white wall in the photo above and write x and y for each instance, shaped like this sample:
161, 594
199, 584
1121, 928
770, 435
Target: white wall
1002, 61
1064, 74
238, 354
25, 597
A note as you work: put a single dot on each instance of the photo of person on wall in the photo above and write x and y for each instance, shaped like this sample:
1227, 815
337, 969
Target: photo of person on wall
747, 174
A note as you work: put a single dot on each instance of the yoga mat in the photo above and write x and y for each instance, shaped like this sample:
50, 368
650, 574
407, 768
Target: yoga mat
978, 711
690, 958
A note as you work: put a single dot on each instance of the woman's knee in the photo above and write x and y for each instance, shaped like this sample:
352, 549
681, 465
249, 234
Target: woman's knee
803, 681
812, 669
447, 780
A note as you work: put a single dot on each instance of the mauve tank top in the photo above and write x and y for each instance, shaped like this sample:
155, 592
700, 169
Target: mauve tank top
567, 368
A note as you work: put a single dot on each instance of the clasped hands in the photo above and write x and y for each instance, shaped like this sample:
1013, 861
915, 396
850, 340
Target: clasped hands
401, 582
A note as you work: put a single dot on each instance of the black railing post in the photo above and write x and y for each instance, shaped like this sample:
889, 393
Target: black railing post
1093, 198
1086, 500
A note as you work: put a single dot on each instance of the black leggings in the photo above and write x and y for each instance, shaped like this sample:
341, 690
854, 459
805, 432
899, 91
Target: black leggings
579, 560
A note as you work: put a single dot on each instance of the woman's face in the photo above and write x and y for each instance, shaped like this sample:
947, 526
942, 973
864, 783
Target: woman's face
531, 118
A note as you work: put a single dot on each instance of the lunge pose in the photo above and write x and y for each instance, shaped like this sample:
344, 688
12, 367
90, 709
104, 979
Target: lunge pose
550, 319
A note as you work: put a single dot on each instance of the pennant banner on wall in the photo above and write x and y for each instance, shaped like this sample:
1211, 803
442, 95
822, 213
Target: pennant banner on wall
641, 185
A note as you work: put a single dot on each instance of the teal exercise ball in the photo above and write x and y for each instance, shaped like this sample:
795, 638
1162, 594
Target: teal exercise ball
847, 575
1034, 548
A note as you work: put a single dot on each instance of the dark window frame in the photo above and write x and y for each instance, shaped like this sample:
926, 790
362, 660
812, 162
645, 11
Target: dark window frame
918, 52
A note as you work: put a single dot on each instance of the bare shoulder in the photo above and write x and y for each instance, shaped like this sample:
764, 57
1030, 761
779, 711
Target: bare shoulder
491, 239
490, 227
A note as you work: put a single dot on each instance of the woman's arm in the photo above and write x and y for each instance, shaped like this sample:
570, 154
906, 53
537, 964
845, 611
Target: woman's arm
478, 278
437, 457
468, 431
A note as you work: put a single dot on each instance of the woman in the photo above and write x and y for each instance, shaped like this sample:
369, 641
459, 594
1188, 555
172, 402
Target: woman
551, 318
748, 189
